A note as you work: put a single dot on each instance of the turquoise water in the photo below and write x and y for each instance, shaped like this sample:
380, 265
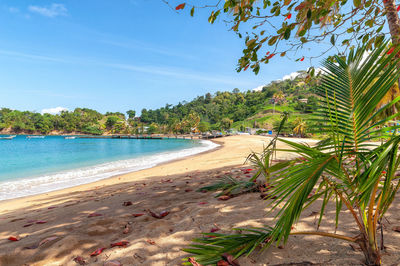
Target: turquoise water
32, 166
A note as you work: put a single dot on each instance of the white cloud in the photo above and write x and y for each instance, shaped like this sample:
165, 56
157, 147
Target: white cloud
54, 111
13, 10
49, 11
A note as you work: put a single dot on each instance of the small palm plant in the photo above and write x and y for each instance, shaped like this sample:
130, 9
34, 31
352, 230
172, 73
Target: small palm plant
346, 168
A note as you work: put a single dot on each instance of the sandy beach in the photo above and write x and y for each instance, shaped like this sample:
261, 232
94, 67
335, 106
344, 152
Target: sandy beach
59, 226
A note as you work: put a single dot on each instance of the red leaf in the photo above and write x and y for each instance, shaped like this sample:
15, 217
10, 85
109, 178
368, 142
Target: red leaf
398, 8
246, 68
222, 263
127, 203
123, 243
383, 172
188, 190
224, 197
137, 214
13, 238
97, 252
214, 229
164, 213
94, 214
202, 203
79, 260
41, 222
151, 242
390, 50
302, 59
181, 6
289, 16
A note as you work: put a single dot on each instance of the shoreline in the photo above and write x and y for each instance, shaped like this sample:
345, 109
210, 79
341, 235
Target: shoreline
114, 175
108, 180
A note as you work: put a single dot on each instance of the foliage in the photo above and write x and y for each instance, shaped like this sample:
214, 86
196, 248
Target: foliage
283, 27
345, 168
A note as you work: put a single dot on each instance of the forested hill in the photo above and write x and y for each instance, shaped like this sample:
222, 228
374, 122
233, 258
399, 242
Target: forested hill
220, 111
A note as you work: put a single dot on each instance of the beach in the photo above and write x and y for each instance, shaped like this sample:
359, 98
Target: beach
56, 227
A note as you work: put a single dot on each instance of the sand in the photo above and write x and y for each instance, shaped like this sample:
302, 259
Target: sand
70, 232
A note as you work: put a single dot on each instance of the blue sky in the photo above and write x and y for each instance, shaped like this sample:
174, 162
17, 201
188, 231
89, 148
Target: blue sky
114, 55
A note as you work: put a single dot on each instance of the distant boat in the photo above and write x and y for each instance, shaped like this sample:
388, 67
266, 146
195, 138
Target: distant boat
35, 137
7, 138
69, 137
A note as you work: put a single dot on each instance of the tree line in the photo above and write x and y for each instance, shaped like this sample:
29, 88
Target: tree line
217, 111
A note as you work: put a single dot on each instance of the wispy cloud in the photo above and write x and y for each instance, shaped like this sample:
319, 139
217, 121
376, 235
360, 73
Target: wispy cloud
169, 71
51, 11
13, 10
146, 47
54, 111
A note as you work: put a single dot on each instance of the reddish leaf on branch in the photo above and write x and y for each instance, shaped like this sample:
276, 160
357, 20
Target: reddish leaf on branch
246, 68
97, 252
302, 59
398, 8
289, 16
14, 238
390, 50
122, 243
181, 6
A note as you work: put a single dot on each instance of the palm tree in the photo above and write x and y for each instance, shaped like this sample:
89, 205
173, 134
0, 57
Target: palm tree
345, 168
300, 127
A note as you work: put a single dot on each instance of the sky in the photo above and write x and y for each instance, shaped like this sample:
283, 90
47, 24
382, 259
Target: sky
116, 55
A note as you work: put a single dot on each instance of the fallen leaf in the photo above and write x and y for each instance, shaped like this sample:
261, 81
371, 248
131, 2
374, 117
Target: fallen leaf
137, 214
229, 258
188, 190
164, 213
202, 203
158, 216
97, 252
51, 207
94, 214
26, 225
194, 262
214, 229
79, 260
224, 197
48, 239
396, 229
122, 243
41, 222
151, 242
222, 263
127, 203
14, 238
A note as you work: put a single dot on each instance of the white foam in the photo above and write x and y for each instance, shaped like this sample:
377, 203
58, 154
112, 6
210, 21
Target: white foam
70, 178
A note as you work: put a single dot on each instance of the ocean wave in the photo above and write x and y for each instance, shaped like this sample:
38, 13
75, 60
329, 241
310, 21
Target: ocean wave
46, 183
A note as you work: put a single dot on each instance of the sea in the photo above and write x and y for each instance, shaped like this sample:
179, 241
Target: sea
33, 166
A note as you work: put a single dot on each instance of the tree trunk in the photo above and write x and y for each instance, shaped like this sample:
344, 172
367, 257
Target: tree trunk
394, 27
371, 252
